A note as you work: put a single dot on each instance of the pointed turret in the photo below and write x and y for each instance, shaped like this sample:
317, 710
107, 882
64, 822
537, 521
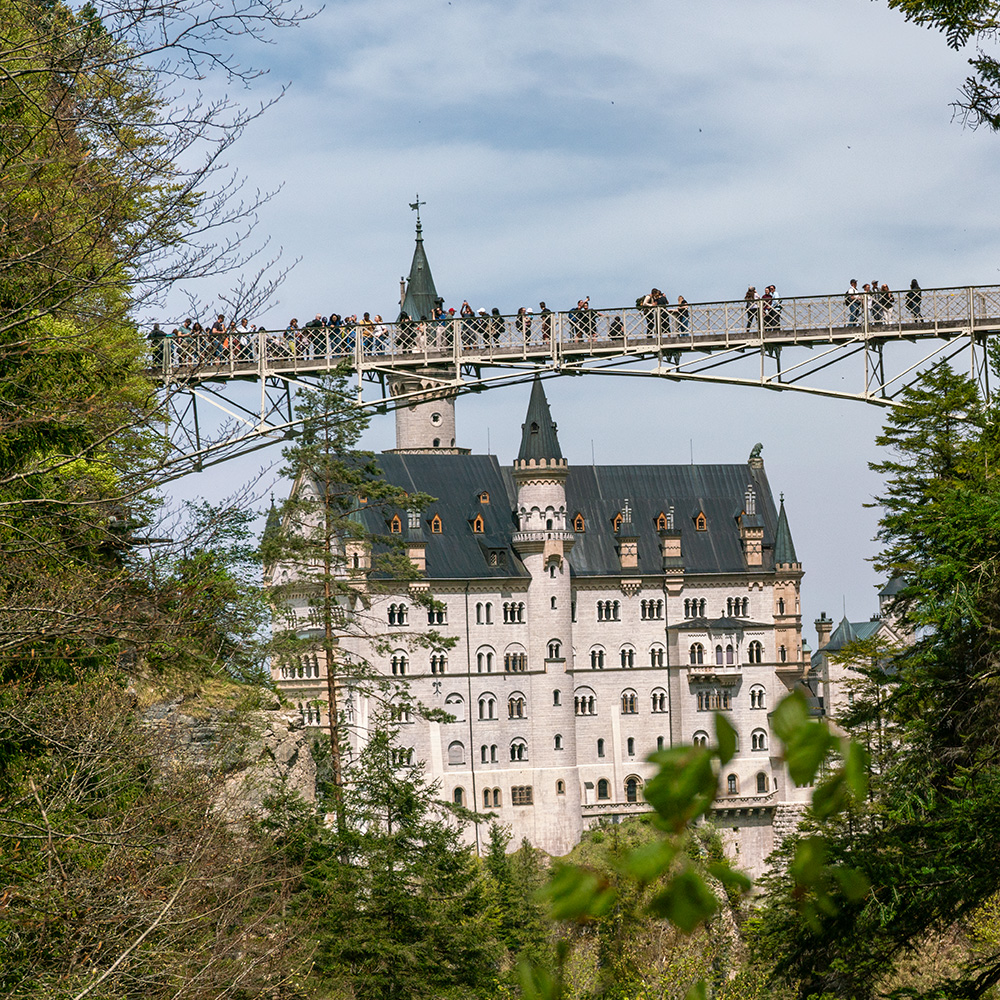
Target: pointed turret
784, 548
421, 296
539, 441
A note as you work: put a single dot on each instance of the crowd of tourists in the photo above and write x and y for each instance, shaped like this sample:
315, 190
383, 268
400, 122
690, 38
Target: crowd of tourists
225, 341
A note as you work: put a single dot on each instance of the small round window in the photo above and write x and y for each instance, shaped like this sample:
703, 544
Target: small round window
435, 419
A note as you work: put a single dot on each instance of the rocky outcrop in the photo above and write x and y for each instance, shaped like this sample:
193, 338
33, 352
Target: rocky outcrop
249, 753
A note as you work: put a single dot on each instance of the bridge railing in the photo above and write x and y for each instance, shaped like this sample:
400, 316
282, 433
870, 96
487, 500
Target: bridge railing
481, 338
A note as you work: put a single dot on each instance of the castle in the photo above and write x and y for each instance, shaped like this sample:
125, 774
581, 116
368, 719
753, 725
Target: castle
598, 613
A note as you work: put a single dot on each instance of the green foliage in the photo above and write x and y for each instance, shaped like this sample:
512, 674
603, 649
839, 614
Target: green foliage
915, 859
965, 22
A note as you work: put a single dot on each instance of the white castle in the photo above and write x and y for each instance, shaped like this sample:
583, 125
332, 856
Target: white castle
597, 613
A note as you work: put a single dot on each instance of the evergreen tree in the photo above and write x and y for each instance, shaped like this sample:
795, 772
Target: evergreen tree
322, 594
401, 898
926, 841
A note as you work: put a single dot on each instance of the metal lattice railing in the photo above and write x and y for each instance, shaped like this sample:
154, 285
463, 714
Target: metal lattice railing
684, 327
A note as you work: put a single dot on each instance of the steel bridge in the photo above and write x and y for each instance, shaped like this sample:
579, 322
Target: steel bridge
786, 345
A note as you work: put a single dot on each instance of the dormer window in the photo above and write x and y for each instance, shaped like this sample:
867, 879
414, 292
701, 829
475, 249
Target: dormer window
617, 522
396, 525
750, 501
701, 522
484, 497
579, 524
436, 525
661, 522
534, 427
478, 526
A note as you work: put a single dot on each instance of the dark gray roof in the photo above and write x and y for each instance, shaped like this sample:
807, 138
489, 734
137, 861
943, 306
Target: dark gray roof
538, 432
456, 481
421, 295
893, 587
784, 549
847, 632
598, 493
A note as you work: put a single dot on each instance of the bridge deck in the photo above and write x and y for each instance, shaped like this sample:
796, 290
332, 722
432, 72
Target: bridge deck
576, 335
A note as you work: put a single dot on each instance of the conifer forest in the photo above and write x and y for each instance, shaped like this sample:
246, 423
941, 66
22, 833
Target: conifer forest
164, 833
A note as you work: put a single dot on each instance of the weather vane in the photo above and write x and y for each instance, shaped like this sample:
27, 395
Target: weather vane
415, 205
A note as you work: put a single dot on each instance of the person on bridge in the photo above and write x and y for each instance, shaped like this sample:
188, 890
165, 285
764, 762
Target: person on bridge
683, 311
546, 322
853, 300
887, 302
913, 300
751, 298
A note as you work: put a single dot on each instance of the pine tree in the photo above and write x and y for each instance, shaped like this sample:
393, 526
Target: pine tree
402, 910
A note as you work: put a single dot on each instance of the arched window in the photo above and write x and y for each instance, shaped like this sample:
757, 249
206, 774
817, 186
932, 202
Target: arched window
479, 613
630, 746
493, 754
454, 705
560, 787
781, 605
631, 789
627, 657
746, 607
782, 654
439, 663
437, 615
718, 656
757, 697
458, 796
758, 739
436, 525
478, 525
656, 656
484, 753
487, 798
729, 607
687, 607
401, 712
755, 652
603, 789
585, 702
487, 707
515, 706
697, 654
518, 749
730, 655
579, 525
484, 660
700, 738
556, 697
732, 785
496, 798
597, 658
456, 752
659, 700
659, 742
489, 612
558, 742
400, 663
762, 782
701, 607
630, 702
600, 748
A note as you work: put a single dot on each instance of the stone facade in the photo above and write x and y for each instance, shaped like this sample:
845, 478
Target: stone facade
592, 626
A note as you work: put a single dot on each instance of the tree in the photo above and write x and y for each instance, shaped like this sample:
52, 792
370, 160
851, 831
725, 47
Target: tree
925, 841
400, 909
965, 22
323, 595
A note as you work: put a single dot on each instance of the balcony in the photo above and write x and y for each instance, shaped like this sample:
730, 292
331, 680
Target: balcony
522, 537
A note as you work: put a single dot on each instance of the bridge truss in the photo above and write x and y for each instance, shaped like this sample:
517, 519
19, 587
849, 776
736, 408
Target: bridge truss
249, 381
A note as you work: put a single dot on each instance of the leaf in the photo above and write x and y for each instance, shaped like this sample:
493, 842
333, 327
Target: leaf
853, 883
730, 877
790, 713
856, 762
647, 863
808, 867
698, 991
725, 734
685, 786
577, 894
830, 797
686, 901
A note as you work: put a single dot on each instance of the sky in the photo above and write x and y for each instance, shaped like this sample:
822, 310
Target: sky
573, 147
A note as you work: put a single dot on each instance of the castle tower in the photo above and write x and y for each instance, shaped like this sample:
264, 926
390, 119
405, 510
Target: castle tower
787, 611
422, 426
543, 542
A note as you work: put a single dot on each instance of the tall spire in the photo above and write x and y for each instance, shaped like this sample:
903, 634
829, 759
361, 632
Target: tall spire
784, 548
538, 432
421, 296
